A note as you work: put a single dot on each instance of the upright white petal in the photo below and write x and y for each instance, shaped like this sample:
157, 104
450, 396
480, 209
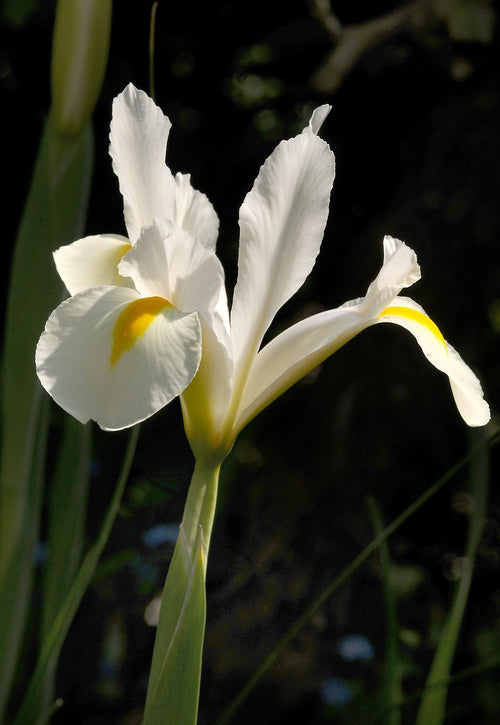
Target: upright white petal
194, 213
465, 386
92, 261
138, 142
110, 356
282, 221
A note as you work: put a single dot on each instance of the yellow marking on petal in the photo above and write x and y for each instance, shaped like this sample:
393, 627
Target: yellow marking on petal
133, 322
419, 317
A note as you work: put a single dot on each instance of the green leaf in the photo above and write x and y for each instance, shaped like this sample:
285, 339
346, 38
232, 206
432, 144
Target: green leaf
393, 689
433, 706
67, 510
16, 588
17, 12
29, 711
54, 214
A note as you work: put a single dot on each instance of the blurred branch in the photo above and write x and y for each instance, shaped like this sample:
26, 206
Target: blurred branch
353, 41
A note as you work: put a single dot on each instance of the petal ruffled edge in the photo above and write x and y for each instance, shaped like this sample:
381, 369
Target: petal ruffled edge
282, 221
465, 386
92, 261
102, 359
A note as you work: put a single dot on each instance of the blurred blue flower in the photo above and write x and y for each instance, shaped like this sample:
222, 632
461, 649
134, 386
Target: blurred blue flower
160, 534
355, 648
335, 691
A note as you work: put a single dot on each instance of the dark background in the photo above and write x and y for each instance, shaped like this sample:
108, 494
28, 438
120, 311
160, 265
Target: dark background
415, 128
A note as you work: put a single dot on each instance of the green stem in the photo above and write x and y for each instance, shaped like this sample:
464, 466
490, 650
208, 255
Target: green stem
174, 683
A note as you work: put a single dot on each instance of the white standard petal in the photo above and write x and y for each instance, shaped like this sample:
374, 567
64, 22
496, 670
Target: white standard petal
465, 386
111, 356
92, 261
282, 222
194, 213
138, 142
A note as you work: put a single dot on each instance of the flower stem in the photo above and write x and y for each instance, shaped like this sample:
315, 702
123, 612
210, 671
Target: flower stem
174, 683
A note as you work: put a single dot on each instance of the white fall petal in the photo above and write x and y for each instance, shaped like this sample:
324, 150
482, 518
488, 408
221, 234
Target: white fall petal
300, 348
109, 355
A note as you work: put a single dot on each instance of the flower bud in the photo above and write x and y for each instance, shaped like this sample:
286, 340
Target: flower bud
79, 56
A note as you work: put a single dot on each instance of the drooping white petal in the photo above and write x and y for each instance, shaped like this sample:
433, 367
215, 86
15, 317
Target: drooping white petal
294, 353
92, 261
138, 142
194, 213
465, 386
282, 221
111, 356
297, 350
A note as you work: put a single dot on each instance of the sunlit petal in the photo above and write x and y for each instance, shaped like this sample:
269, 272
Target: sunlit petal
465, 386
194, 213
205, 402
317, 119
169, 262
399, 270
138, 142
282, 221
92, 261
111, 356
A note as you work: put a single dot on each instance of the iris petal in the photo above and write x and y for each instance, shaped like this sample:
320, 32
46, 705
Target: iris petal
78, 362
92, 261
282, 221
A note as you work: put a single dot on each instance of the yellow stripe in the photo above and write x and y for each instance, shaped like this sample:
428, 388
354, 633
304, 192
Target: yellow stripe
133, 322
416, 316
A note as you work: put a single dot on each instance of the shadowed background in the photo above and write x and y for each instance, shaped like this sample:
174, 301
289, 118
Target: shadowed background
415, 130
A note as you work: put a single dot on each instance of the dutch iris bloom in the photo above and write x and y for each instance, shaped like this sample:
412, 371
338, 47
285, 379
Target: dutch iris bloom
148, 318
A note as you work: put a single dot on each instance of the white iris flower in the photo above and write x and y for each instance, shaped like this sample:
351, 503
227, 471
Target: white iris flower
148, 318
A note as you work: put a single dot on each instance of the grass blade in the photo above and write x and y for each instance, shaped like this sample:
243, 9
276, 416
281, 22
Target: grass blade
51, 648
433, 705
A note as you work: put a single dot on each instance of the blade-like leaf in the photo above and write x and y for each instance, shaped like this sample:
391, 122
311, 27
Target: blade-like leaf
53, 642
16, 588
66, 531
433, 705
54, 213
392, 687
